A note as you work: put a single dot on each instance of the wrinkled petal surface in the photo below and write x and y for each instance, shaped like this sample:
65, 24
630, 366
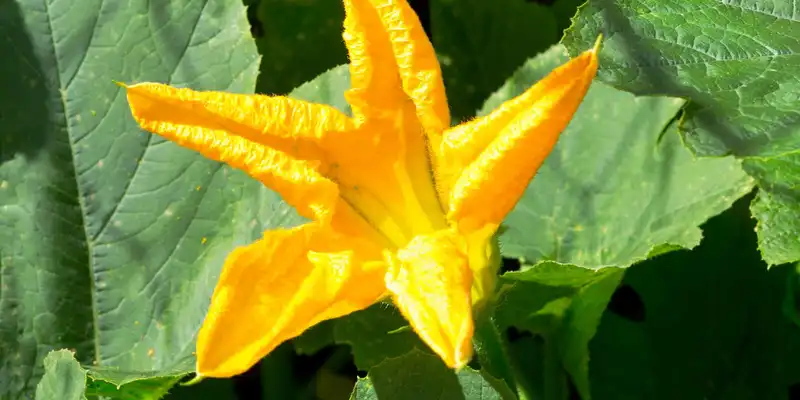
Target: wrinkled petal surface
214, 129
392, 60
488, 163
384, 169
430, 282
276, 288
293, 127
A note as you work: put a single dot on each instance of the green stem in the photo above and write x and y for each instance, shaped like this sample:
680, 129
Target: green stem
491, 349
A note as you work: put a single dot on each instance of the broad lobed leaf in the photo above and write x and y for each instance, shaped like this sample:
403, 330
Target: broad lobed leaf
736, 62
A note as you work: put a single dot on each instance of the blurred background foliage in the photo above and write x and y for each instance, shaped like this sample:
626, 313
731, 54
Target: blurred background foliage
710, 323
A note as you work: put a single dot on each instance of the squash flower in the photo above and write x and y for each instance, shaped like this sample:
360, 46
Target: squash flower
401, 205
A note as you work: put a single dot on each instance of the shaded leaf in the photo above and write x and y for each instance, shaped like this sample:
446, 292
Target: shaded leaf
559, 306
422, 376
298, 41
376, 334
315, 339
480, 43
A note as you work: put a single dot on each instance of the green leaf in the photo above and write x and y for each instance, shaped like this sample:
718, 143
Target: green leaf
422, 376
777, 206
711, 319
112, 238
63, 379
327, 88
375, 334
491, 350
561, 305
480, 43
618, 183
736, 62
298, 40
315, 339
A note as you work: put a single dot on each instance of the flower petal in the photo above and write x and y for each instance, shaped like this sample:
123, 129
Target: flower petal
291, 126
279, 286
386, 41
430, 282
208, 127
486, 165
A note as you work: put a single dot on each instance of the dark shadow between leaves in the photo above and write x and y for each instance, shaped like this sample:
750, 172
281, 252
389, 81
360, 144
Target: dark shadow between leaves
627, 304
30, 97
510, 265
794, 392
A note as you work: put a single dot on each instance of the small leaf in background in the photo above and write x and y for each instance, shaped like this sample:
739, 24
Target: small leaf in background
298, 40
315, 339
557, 307
63, 379
618, 183
736, 61
376, 334
422, 376
130, 385
713, 325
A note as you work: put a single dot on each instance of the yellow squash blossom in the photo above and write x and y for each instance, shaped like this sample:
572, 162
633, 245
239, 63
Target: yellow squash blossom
402, 205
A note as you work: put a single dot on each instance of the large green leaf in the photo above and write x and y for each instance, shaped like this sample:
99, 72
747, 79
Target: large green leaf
709, 326
422, 376
618, 185
112, 238
736, 61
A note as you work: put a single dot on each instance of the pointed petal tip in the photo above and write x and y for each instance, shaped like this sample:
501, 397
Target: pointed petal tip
197, 379
120, 84
597, 43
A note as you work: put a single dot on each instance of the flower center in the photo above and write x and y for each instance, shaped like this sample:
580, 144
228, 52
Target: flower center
388, 178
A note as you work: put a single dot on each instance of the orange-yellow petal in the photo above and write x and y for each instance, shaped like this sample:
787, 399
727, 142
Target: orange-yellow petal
494, 158
430, 282
391, 61
291, 126
276, 288
159, 109
417, 64
375, 88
